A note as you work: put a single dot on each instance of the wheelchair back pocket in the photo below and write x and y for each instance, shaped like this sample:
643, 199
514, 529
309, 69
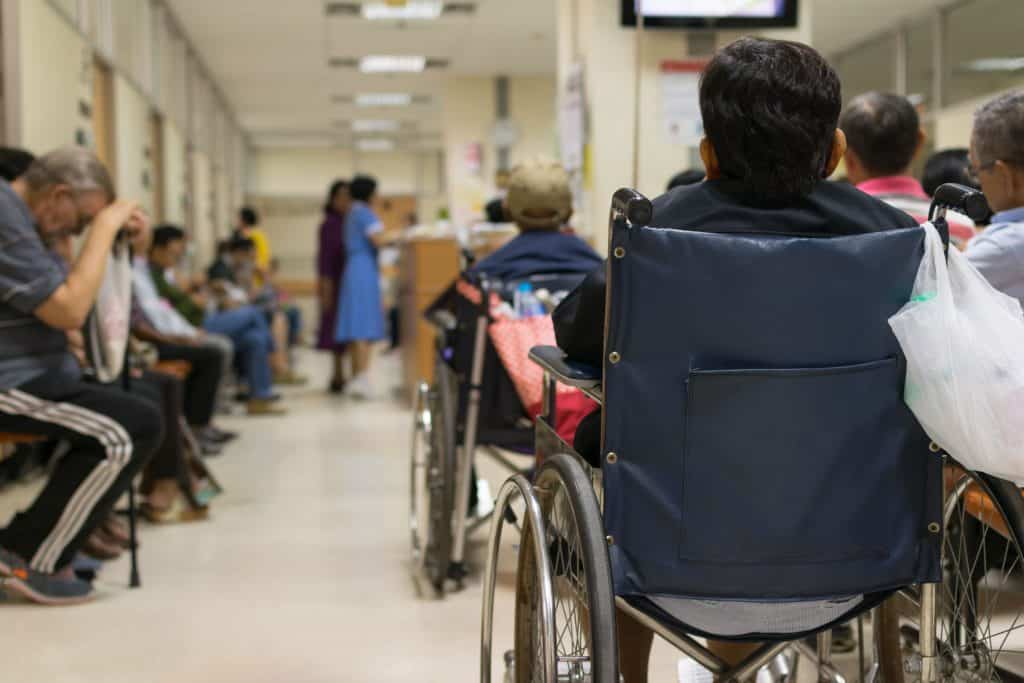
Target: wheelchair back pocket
795, 466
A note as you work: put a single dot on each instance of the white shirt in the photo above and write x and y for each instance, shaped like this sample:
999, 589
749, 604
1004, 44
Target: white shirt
157, 310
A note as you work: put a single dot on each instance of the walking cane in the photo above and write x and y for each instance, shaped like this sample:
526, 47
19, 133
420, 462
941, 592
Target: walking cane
124, 242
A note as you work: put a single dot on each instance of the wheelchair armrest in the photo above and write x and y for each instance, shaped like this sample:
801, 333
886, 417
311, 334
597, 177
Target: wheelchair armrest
572, 373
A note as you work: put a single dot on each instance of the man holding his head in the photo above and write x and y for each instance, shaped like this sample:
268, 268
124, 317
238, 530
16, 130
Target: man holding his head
997, 158
42, 392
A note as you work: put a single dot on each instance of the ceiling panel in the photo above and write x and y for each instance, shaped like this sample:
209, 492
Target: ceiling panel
270, 58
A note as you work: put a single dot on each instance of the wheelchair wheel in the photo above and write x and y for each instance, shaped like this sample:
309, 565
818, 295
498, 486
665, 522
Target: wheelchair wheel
432, 480
584, 615
979, 615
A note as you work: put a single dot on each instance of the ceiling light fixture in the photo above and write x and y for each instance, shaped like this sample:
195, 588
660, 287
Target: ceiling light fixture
375, 126
995, 64
414, 10
384, 99
376, 64
375, 145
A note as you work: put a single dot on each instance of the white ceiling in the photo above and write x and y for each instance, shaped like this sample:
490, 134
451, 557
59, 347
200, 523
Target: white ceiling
271, 60
271, 57
840, 24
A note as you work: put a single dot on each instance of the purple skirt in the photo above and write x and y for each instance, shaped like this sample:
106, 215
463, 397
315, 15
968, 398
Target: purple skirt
328, 325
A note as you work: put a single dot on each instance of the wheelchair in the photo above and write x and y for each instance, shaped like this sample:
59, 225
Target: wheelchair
761, 478
470, 408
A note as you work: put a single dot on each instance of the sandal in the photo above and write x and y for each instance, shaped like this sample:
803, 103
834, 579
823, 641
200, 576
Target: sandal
178, 513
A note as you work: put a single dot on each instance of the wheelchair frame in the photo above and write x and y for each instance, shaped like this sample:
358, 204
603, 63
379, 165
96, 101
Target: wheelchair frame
632, 209
459, 525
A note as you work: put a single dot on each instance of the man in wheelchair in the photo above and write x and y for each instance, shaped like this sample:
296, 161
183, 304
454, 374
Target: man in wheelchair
539, 202
770, 111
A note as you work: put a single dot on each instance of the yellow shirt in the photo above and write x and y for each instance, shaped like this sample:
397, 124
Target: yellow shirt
259, 240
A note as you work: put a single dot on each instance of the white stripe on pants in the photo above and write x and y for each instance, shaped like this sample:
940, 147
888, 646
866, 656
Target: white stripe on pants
117, 445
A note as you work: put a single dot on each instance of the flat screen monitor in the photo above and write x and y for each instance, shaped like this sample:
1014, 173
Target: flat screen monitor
712, 13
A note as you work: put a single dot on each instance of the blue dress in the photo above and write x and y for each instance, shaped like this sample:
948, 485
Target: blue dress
360, 311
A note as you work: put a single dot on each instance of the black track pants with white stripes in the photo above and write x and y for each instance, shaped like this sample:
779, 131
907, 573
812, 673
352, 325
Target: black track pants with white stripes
112, 434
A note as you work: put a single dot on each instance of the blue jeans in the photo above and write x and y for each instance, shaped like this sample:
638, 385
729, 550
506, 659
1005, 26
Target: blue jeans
247, 328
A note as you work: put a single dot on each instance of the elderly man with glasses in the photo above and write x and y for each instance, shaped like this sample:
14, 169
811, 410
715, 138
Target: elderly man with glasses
42, 392
997, 159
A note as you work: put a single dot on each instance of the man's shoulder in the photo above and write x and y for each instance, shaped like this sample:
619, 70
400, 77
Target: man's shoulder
15, 222
1002, 236
875, 213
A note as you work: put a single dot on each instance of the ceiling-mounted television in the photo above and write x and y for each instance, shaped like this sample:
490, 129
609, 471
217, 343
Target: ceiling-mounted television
712, 14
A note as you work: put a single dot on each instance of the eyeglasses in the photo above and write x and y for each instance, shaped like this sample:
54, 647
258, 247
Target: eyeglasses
976, 169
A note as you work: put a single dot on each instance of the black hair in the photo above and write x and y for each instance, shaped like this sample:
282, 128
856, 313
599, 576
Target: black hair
249, 216
223, 247
770, 109
336, 187
948, 166
883, 130
14, 162
495, 211
690, 176
362, 188
165, 234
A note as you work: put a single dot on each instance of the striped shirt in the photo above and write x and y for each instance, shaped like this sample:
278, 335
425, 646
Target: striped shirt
29, 274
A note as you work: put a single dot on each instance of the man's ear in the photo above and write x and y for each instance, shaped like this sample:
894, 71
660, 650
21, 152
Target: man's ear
922, 137
839, 150
707, 154
1009, 177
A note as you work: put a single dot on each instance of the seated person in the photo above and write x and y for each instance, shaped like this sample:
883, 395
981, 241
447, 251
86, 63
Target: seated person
179, 335
232, 279
771, 110
248, 226
244, 325
884, 135
948, 166
111, 434
539, 202
202, 382
997, 157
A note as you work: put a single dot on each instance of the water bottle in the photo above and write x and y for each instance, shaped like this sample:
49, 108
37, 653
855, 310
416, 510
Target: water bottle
526, 303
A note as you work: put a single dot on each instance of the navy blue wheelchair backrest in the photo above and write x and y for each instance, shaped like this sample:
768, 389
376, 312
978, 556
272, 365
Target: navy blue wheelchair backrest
754, 398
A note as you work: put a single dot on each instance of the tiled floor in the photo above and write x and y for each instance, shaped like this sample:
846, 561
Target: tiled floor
301, 575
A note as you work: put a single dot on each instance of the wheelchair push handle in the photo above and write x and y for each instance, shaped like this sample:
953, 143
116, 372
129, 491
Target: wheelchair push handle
637, 208
960, 198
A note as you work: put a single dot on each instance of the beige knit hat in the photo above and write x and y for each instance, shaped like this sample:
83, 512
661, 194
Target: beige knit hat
539, 197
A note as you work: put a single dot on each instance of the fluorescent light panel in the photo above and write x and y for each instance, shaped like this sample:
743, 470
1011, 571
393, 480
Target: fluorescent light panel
384, 99
376, 64
375, 126
995, 64
375, 145
413, 10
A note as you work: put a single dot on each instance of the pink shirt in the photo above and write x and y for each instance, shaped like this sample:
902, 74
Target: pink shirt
905, 193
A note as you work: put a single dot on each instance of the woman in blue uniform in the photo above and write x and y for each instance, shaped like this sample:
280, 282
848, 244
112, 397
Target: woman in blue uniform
360, 309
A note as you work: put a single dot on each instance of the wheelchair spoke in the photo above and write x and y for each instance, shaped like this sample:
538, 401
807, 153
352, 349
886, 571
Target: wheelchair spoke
982, 560
569, 583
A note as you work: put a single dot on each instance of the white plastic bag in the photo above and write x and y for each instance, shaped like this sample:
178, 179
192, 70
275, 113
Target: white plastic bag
964, 343
108, 324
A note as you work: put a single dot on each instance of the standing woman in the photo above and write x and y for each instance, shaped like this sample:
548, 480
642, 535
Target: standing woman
330, 266
360, 309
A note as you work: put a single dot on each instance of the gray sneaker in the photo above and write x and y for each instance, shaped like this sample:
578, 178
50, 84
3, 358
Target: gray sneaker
45, 589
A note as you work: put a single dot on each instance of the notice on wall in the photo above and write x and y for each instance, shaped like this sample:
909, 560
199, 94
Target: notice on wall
680, 102
572, 119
